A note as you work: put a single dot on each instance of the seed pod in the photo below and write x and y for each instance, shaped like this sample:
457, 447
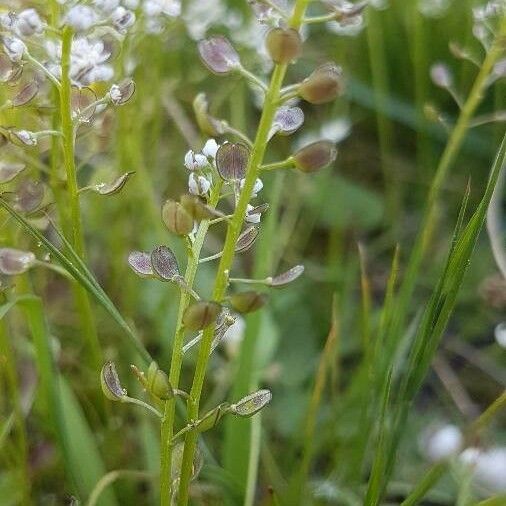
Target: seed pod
247, 302
115, 186
158, 383
140, 262
176, 218
8, 171
252, 403
197, 208
232, 161
246, 239
315, 156
110, 382
323, 85
287, 120
177, 461
164, 263
26, 94
290, 275
218, 55
283, 45
14, 261
83, 101
29, 196
207, 123
122, 92
200, 315
211, 418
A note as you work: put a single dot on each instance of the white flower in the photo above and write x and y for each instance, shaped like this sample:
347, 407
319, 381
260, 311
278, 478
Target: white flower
500, 334
122, 19
131, 4
81, 18
442, 443
115, 93
252, 218
257, 188
106, 5
14, 48
7, 21
210, 148
195, 161
28, 23
168, 7
198, 185
26, 137
488, 467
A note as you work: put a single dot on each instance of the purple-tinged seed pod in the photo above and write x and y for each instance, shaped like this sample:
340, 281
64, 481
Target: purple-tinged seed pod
218, 55
323, 85
14, 261
252, 403
281, 280
200, 315
315, 156
140, 262
122, 92
283, 45
232, 161
8, 171
164, 263
246, 239
288, 120
247, 302
176, 218
29, 196
111, 385
26, 94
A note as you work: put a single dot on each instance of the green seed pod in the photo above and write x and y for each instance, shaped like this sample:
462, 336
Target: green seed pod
158, 383
252, 403
283, 45
197, 208
201, 314
323, 85
111, 385
232, 161
176, 218
211, 418
315, 156
207, 123
247, 302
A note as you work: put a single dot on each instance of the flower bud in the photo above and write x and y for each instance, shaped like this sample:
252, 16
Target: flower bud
323, 85
315, 156
176, 218
200, 315
232, 161
247, 302
110, 382
158, 383
283, 45
252, 403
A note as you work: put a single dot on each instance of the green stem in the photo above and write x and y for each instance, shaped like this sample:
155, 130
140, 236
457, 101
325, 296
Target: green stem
233, 231
167, 428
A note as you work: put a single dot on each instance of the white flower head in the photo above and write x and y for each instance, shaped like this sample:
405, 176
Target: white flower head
257, 188
442, 443
122, 19
131, 4
198, 185
28, 23
210, 148
254, 217
14, 48
81, 18
488, 467
106, 5
170, 8
195, 161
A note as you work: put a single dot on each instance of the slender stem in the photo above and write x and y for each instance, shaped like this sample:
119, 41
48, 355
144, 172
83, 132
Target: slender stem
36, 63
233, 231
145, 405
167, 428
283, 164
110, 478
252, 78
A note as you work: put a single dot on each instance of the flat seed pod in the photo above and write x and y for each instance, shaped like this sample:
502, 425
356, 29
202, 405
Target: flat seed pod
288, 120
15, 261
247, 302
232, 161
323, 85
211, 418
29, 196
315, 156
164, 263
218, 55
287, 277
158, 383
207, 123
115, 186
200, 315
8, 171
252, 403
82, 103
283, 45
177, 460
246, 239
111, 385
197, 208
122, 92
176, 218
140, 262
26, 94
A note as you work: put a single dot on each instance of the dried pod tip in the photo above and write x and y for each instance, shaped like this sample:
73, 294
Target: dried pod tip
315, 156
287, 277
140, 262
196, 207
218, 55
200, 315
176, 218
283, 45
247, 302
252, 403
164, 263
111, 385
232, 161
158, 383
14, 261
323, 85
